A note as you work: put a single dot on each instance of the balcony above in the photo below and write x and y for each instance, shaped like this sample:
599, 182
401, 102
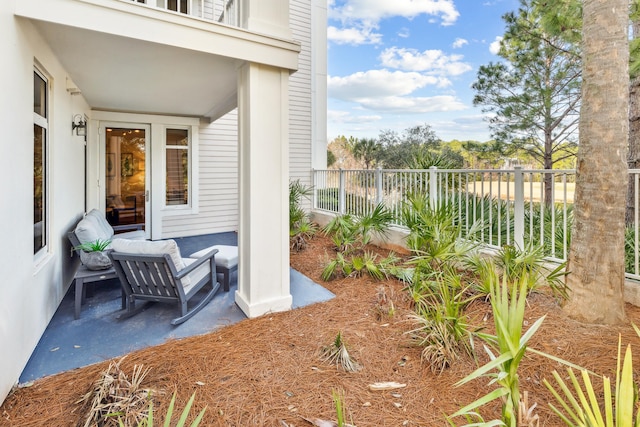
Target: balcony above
125, 55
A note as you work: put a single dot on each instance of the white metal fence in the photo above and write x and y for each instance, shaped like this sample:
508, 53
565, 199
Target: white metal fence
517, 206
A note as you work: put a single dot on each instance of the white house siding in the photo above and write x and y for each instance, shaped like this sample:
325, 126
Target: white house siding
31, 289
218, 183
218, 145
300, 95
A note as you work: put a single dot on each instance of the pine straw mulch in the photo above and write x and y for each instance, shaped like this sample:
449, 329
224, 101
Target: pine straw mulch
267, 371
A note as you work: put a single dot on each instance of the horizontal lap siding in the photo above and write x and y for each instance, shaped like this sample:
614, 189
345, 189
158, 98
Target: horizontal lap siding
300, 95
218, 181
218, 161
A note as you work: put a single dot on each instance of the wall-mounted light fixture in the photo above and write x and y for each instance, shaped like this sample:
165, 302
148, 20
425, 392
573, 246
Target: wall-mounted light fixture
79, 124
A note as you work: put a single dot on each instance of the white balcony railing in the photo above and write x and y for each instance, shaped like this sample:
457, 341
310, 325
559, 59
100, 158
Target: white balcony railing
222, 11
516, 206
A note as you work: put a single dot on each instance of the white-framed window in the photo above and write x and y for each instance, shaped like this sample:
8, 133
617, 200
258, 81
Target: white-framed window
177, 167
40, 154
178, 6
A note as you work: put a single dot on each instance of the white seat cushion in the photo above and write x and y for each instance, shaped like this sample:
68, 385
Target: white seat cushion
101, 221
147, 247
196, 275
131, 235
88, 230
226, 257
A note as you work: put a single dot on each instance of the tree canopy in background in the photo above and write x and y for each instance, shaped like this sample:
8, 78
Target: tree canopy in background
533, 96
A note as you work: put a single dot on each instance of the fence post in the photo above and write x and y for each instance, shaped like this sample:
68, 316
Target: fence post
342, 198
518, 207
378, 185
433, 187
314, 188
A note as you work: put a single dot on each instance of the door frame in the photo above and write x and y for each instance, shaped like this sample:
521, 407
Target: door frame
155, 166
102, 185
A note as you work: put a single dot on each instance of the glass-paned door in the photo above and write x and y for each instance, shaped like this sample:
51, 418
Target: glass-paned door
125, 169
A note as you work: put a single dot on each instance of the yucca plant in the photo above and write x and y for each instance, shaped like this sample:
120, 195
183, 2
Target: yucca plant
580, 405
338, 403
508, 305
337, 353
182, 421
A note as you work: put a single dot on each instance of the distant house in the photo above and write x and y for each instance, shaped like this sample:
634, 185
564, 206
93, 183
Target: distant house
186, 116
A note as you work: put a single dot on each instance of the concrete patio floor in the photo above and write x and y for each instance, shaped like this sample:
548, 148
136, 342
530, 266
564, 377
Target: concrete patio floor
98, 335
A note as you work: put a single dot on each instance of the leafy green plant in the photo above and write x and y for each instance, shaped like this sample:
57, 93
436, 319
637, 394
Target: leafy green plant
182, 421
356, 265
338, 403
508, 305
350, 235
531, 261
301, 229
442, 328
98, 245
434, 234
337, 353
350, 232
581, 406
485, 273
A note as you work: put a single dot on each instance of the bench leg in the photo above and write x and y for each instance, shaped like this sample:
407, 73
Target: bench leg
225, 279
79, 295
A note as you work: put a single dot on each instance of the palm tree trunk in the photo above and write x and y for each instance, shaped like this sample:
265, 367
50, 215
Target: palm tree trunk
596, 257
633, 156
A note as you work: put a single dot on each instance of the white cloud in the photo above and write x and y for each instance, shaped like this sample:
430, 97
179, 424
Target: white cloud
353, 36
404, 33
413, 105
465, 127
373, 11
458, 43
494, 47
378, 83
385, 91
430, 61
346, 117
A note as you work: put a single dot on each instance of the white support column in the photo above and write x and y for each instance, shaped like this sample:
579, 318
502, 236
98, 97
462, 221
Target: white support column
263, 235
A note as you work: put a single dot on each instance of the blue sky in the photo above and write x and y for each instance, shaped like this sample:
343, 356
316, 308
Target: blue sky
394, 64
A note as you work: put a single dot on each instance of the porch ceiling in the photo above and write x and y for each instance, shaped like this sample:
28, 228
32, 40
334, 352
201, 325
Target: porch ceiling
118, 73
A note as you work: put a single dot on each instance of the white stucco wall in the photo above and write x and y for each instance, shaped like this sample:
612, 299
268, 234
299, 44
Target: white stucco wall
30, 290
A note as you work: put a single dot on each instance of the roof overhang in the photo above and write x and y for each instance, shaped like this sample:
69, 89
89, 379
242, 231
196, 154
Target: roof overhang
124, 56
